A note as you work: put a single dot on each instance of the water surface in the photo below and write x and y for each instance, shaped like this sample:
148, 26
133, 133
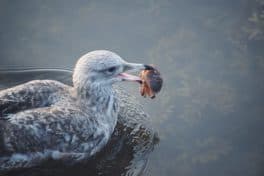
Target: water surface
209, 115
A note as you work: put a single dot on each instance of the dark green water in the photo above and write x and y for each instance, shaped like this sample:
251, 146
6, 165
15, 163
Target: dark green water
210, 113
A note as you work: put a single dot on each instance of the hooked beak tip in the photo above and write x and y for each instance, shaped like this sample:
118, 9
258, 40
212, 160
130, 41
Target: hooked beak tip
149, 67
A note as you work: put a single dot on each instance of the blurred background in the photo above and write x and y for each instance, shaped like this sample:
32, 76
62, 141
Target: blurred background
210, 113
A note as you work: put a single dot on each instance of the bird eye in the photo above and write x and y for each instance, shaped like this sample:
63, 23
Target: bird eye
111, 69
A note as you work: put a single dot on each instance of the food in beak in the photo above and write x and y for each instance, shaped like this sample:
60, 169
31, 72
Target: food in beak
151, 82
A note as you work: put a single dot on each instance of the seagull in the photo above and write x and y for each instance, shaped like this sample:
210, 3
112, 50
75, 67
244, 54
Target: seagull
46, 119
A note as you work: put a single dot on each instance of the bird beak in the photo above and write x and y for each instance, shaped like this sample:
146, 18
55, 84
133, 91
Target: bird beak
137, 67
133, 67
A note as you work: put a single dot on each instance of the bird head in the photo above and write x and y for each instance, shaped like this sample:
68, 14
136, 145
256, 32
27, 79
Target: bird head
103, 68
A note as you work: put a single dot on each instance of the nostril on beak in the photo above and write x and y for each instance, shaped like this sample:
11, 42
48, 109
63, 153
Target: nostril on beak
149, 67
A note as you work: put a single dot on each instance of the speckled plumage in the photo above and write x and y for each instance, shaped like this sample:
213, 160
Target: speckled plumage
45, 119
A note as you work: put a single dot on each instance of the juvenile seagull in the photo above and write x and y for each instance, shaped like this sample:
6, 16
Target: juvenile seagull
45, 119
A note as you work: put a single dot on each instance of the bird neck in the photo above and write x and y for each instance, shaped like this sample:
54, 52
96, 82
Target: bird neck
101, 100
93, 90
101, 97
